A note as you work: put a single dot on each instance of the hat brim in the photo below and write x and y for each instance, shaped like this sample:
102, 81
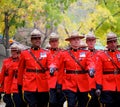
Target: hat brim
35, 36
111, 39
53, 39
13, 49
118, 46
68, 39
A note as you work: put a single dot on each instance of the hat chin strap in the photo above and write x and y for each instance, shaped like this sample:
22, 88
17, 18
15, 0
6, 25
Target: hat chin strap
75, 47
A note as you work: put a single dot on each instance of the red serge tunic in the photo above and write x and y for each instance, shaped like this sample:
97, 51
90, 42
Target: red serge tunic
93, 54
6, 73
74, 77
30, 73
54, 58
108, 76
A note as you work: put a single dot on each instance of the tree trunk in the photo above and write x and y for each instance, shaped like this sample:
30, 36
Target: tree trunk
6, 33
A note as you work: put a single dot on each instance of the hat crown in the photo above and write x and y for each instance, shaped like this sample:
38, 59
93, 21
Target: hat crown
90, 35
54, 35
111, 35
35, 32
75, 33
15, 46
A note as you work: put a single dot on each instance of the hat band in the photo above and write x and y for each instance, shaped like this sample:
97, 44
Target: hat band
110, 39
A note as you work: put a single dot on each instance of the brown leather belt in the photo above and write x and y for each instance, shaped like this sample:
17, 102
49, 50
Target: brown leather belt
76, 72
35, 70
111, 72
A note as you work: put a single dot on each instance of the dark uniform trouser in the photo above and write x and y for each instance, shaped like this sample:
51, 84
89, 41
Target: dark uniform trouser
73, 98
110, 99
82, 99
94, 102
8, 100
36, 99
18, 100
56, 99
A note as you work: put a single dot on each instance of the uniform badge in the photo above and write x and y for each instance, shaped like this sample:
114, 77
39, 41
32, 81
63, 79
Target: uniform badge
43, 55
82, 54
118, 56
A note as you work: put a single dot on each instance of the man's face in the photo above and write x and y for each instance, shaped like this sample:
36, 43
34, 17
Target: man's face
36, 41
54, 43
91, 43
14, 53
112, 44
75, 42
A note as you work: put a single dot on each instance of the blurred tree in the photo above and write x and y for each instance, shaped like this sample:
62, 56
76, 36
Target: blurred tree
60, 16
10, 18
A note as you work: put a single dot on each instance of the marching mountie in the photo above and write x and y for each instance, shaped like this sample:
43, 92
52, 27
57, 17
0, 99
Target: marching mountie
76, 65
32, 77
108, 77
57, 98
90, 41
8, 78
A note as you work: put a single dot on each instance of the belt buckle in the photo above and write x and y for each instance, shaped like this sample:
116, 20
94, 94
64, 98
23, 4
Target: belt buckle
37, 71
115, 72
76, 71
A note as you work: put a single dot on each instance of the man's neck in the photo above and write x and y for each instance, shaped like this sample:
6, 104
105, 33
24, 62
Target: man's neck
75, 47
111, 50
54, 49
91, 49
35, 47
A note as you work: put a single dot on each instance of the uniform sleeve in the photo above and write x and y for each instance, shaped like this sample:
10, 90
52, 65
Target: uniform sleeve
2, 73
99, 68
21, 68
61, 69
49, 62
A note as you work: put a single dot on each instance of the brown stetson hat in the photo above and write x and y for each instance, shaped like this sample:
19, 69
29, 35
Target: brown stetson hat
35, 33
111, 36
73, 35
53, 36
91, 35
14, 47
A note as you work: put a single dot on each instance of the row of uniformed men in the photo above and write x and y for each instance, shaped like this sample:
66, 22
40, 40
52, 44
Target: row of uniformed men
56, 75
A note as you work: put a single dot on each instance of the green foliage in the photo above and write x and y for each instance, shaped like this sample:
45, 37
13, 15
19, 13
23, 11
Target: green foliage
101, 16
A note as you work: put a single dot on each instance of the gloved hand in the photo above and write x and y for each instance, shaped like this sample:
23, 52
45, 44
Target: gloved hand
98, 92
91, 72
52, 70
59, 88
